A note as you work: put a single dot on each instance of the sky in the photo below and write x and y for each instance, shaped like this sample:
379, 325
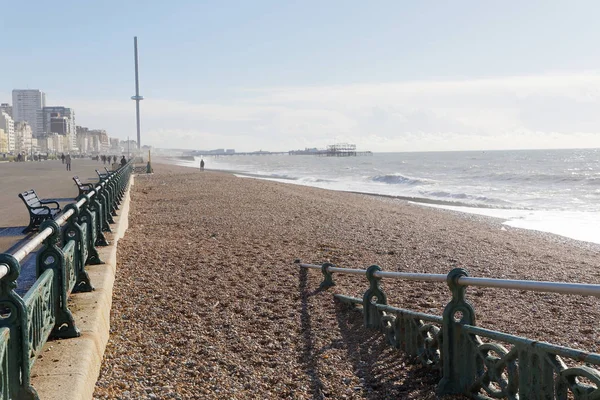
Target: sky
281, 75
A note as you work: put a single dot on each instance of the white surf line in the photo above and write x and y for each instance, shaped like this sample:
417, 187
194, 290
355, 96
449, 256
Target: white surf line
578, 225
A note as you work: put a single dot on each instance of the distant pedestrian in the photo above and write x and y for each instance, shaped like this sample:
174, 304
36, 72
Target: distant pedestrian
202, 165
68, 161
63, 158
123, 161
114, 159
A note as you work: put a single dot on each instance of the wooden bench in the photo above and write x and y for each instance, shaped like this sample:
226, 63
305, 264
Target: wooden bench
102, 175
39, 210
84, 188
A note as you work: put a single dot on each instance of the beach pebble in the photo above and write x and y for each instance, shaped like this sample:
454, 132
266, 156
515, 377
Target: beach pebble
208, 303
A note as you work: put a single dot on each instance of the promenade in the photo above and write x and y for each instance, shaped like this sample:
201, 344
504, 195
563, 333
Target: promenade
50, 179
208, 304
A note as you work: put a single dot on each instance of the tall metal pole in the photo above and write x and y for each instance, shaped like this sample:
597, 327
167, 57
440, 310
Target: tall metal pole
137, 96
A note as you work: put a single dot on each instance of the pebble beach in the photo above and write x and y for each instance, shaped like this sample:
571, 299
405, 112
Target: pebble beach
208, 303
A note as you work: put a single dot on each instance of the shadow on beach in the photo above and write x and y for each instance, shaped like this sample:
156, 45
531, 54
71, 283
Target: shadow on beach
382, 372
309, 355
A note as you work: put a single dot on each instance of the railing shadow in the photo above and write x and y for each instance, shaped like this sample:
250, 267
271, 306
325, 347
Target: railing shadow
14, 234
12, 231
27, 276
309, 355
61, 199
384, 372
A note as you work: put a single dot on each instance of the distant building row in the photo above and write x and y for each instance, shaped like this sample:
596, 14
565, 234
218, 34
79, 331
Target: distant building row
30, 126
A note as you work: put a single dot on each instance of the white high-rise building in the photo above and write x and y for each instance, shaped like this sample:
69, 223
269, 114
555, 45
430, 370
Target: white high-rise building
27, 106
7, 124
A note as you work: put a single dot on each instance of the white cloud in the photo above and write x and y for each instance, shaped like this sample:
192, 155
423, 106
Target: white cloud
544, 111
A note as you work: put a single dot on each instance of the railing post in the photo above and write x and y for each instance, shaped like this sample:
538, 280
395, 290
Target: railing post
95, 207
327, 276
123, 180
88, 218
13, 315
103, 207
52, 257
373, 295
78, 233
459, 354
103, 197
118, 184
112, 196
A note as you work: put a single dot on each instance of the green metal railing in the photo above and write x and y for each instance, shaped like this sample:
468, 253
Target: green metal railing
68, 244
477, 362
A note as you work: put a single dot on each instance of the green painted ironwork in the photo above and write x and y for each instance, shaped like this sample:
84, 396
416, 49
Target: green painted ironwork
61, 261
372, 297
88, 218
41, 315
77, 233
27, 322
460, 365
95, 206
15, 318
479, 363
4, 374
327, 276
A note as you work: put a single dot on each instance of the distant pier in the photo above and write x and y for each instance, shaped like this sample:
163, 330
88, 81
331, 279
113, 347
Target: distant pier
333, 150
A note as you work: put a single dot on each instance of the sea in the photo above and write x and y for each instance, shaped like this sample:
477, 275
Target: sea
554, 191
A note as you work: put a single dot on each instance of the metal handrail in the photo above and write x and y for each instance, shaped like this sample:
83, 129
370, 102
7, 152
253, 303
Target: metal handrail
535, 286
39, 238
412, 276
454, 344
66, 245
349, 271
4, 270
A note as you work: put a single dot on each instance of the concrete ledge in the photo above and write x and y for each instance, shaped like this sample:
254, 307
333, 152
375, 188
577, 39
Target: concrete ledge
68, 369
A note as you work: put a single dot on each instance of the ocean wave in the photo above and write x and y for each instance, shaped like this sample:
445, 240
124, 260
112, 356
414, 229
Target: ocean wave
312, 179
398, 179
533, 178
279, 176
441, 194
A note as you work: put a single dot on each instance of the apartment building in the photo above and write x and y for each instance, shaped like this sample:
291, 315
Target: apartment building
3, 143
23, 138
61, 120
7, 124
7, 108
27, 106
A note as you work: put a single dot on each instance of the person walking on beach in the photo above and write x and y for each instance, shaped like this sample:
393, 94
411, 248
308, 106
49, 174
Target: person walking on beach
123, 161
68, 161
63, 158
202, 165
